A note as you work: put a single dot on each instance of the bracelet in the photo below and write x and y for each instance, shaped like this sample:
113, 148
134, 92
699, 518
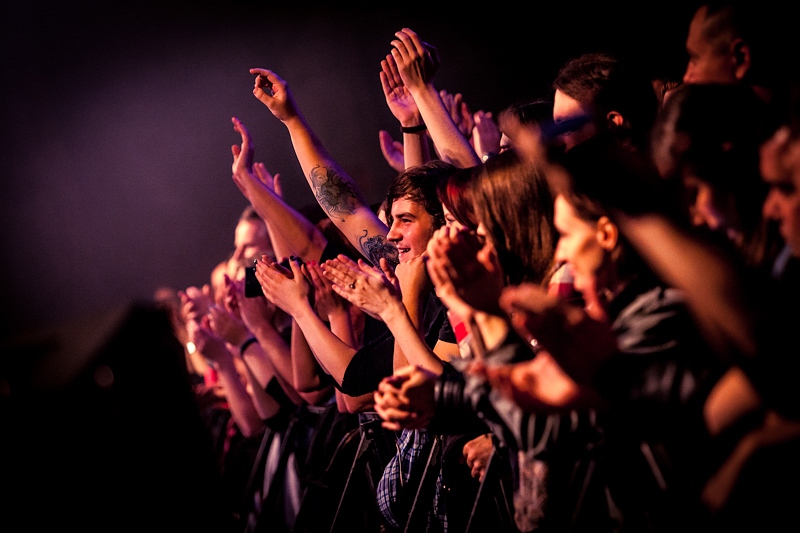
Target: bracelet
246, 344
414, 129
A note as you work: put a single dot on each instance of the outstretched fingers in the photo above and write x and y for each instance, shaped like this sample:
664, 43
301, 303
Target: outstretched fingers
242, 155
339, 273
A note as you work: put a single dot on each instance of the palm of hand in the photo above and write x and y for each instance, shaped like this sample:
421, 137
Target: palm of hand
283, 289
376, 293
466, 268
195, 303
325, 300
483, 280
227, 326
402, 104
208, 343
281, 104
256, 311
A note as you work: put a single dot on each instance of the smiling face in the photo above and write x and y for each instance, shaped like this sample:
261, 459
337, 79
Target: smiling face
411, 229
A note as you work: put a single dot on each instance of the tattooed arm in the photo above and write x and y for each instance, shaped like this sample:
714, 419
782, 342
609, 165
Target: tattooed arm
334, 189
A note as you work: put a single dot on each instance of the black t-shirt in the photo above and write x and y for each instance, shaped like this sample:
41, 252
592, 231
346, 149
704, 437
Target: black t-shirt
374, 361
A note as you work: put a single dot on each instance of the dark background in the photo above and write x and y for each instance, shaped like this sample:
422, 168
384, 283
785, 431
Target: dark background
117, 132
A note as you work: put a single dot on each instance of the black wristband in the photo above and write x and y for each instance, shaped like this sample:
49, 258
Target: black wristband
246, 344
414, 129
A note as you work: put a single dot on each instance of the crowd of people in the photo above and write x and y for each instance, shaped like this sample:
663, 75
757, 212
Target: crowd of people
572, 315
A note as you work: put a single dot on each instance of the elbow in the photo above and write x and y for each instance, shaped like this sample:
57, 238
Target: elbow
250, 429
320, 397
309, 386
358, 404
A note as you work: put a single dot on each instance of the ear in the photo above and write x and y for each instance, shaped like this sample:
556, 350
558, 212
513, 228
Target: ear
615, 118
607, 233
740, 53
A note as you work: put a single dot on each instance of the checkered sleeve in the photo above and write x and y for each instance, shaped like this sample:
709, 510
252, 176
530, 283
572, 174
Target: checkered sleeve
395, 476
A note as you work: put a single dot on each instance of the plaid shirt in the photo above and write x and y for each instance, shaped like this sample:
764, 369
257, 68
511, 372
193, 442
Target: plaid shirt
410, 450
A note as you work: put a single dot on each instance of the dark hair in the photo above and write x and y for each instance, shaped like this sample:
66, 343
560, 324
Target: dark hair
720, 128
513, 201
536, 111
249, 213
418, 184
605, 83
455, 193
762, 27
606, 175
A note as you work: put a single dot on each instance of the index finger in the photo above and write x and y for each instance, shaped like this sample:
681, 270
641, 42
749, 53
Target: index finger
315, 273
336, 271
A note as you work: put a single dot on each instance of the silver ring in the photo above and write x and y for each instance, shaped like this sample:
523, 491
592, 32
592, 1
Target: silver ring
353, 285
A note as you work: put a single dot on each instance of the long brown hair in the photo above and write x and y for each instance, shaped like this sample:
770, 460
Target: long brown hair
513, 201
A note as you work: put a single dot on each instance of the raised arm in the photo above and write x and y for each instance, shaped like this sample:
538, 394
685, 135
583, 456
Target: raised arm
334, 189
486, 135
392, 151
269, 357
240, 402
416, 147
290, 232
417, 62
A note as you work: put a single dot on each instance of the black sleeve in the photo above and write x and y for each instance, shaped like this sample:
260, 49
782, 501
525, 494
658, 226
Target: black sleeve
435, 322
446, 331
333, 249
369, 366
774, 369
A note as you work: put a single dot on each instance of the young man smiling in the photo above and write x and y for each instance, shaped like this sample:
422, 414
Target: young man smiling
413, 213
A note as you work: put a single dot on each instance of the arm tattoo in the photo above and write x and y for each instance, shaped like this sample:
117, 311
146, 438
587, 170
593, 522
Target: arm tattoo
377, 246
334, 194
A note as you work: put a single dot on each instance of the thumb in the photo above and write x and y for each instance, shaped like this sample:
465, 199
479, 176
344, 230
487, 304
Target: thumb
294, 264
385, 140
387, 269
